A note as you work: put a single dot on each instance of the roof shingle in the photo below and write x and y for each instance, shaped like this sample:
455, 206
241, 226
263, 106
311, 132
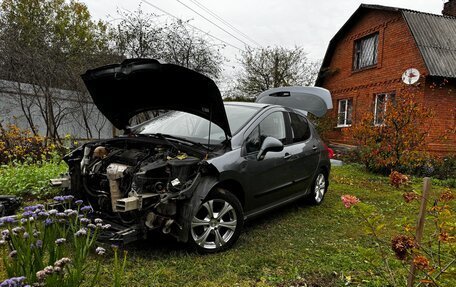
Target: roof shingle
435, 36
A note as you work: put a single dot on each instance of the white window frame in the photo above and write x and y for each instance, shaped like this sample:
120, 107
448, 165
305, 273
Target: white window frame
387, 98
344, 124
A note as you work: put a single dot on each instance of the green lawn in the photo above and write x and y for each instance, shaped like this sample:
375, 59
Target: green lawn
298, 245
320, 246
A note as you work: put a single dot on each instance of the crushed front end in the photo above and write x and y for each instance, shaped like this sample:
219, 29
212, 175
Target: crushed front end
138, 184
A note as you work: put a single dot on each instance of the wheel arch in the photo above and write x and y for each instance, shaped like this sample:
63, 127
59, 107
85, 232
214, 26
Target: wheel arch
234, 187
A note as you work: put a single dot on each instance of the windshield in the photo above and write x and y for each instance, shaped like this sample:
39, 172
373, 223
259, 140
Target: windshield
194, 128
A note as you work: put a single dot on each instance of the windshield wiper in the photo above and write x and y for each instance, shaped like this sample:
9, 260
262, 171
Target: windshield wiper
178, 139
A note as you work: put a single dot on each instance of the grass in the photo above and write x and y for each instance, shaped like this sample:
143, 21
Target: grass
320, 246
297, 245
30, 180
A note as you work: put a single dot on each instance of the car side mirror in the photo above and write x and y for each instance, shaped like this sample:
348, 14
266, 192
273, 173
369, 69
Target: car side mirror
269, 144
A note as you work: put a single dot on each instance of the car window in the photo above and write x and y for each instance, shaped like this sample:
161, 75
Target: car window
253, 141
192, 127
272, 126
300, 128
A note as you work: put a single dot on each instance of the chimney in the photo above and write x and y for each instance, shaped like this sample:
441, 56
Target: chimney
449, 8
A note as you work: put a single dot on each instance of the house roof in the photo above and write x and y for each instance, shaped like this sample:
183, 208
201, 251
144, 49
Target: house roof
435, 37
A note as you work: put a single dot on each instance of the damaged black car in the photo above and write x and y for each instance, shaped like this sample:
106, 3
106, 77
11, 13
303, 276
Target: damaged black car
200, 170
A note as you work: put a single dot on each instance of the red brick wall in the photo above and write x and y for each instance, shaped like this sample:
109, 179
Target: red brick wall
397, 52
442, 128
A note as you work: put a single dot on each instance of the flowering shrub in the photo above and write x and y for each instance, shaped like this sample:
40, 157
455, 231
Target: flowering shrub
432, 258
50, 247
397, 179
397, 143
22, 146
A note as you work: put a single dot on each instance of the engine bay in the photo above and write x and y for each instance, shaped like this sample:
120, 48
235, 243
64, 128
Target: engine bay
136, 181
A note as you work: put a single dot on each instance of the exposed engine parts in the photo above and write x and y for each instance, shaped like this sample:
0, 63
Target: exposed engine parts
135, 183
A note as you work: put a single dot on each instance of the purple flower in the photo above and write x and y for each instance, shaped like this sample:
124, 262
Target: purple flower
34, 208
85, 220
53, 211
106, 226
2, 242
43, 214
8, 219
68, 197
59, 198
81, 232
86, 208
26, 235
13, 282
91, 225
39, 243
48, 222
98, 220
61, 214
78, 202
100, 251
28, 213
24, 220
60, 241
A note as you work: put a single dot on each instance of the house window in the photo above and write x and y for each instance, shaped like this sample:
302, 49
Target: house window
366, 52
380, 107
344, 116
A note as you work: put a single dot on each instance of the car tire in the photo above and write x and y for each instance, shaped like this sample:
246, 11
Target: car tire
210, 231
319, 188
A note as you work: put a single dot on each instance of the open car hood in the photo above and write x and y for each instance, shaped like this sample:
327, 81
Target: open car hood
314, 100
121, 91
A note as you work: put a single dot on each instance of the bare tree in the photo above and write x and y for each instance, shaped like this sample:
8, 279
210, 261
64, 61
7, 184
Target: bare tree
140, 34
47, 44
266, 68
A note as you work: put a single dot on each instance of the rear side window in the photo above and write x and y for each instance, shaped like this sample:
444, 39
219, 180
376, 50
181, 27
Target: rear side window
300, 127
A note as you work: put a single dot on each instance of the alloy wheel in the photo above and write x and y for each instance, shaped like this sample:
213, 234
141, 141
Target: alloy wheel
214, 224
320, 187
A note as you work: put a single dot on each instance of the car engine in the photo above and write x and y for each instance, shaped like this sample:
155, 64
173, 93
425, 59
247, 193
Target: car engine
135, 181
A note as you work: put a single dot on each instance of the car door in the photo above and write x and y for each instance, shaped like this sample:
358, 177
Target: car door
268, 179
302, 153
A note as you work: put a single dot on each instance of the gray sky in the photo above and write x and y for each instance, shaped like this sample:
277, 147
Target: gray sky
310, 24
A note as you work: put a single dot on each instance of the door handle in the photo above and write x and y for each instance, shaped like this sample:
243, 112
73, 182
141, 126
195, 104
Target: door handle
287, 156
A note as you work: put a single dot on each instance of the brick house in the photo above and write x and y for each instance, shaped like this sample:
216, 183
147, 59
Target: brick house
365, 60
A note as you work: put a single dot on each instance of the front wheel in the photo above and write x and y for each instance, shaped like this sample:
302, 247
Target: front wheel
217, 223
319, 188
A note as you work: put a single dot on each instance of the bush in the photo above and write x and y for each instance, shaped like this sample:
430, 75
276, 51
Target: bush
399, 142
20, 145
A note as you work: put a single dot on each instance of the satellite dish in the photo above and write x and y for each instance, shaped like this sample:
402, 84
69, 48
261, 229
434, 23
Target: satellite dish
410, 76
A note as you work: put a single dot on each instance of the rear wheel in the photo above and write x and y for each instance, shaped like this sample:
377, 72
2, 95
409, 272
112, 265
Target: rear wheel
319, 188
217, 223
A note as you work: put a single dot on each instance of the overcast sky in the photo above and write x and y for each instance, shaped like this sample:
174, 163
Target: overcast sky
310, 24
